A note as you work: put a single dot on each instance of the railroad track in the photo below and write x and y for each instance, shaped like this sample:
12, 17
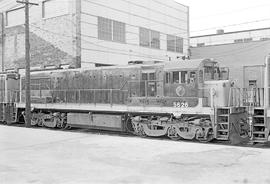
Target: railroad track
125, 134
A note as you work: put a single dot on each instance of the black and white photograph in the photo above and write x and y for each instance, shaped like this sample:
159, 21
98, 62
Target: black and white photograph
134, 92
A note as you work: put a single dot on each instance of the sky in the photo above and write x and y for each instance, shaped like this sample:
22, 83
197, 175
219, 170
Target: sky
207, 16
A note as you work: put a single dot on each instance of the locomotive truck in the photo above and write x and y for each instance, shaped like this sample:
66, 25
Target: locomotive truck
190, 99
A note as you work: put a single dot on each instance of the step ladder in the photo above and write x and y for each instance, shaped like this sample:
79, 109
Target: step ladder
1, 112
10, 113
259, 126
223, 123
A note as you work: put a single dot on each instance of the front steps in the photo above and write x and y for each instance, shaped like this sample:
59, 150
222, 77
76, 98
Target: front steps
259, 126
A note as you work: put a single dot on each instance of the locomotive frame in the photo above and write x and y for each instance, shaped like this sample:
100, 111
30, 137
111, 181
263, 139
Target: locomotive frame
182, 100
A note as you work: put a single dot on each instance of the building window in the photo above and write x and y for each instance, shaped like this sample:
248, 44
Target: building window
248, 39
111, 30
149, 38
264, 39
144, 37
238, 41
200, 44
175, 43
252, 83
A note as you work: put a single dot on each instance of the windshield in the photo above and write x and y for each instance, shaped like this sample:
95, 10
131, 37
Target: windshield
213, 72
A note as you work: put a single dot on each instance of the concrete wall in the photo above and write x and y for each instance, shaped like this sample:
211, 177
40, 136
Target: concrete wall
236, 56
68, 33
166, 17
53, 36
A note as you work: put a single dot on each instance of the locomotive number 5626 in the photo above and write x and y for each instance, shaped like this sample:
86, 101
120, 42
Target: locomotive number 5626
180, 104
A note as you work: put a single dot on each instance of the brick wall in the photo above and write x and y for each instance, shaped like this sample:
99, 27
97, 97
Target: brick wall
52, 43
236, 56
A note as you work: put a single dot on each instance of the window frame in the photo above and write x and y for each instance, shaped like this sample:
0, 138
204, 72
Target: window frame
172, 44
118, 36
149, 38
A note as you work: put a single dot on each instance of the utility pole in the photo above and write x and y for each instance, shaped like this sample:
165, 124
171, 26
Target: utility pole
27, 65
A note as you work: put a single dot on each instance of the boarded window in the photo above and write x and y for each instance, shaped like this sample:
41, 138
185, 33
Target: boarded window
175, 43
111, 30
119, 31
149, 38
104, 29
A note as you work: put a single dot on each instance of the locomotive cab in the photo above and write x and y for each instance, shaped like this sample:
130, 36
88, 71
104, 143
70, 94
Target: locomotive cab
216, 84
195, 82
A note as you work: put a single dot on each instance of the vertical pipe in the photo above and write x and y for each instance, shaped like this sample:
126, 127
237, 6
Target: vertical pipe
3, 41
266, 82
188, 31
6, 89
27, 68
78, 33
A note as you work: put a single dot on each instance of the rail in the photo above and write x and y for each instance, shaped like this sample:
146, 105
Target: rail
254, 97
247, 97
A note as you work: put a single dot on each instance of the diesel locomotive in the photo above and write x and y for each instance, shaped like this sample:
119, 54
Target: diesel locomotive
190, 99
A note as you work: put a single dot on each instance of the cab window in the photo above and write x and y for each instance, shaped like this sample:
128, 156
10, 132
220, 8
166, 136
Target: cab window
184, 77
192, 77
167, 78
175, 78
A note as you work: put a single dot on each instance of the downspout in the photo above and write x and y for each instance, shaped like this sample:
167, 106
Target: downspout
3, 41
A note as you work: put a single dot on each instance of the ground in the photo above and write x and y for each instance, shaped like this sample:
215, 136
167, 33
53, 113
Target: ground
47, 156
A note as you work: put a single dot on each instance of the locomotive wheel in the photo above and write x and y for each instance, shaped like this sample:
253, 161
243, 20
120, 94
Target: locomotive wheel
63, 126
141, 131
172, 134
209, 137
66, 127
40, 123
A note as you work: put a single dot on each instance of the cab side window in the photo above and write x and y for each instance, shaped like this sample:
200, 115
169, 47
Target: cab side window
180, 77
167, 78
175, 77
192, 77
184, 77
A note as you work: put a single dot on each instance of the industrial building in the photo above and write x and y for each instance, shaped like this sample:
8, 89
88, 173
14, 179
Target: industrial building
242, 51
86, 33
